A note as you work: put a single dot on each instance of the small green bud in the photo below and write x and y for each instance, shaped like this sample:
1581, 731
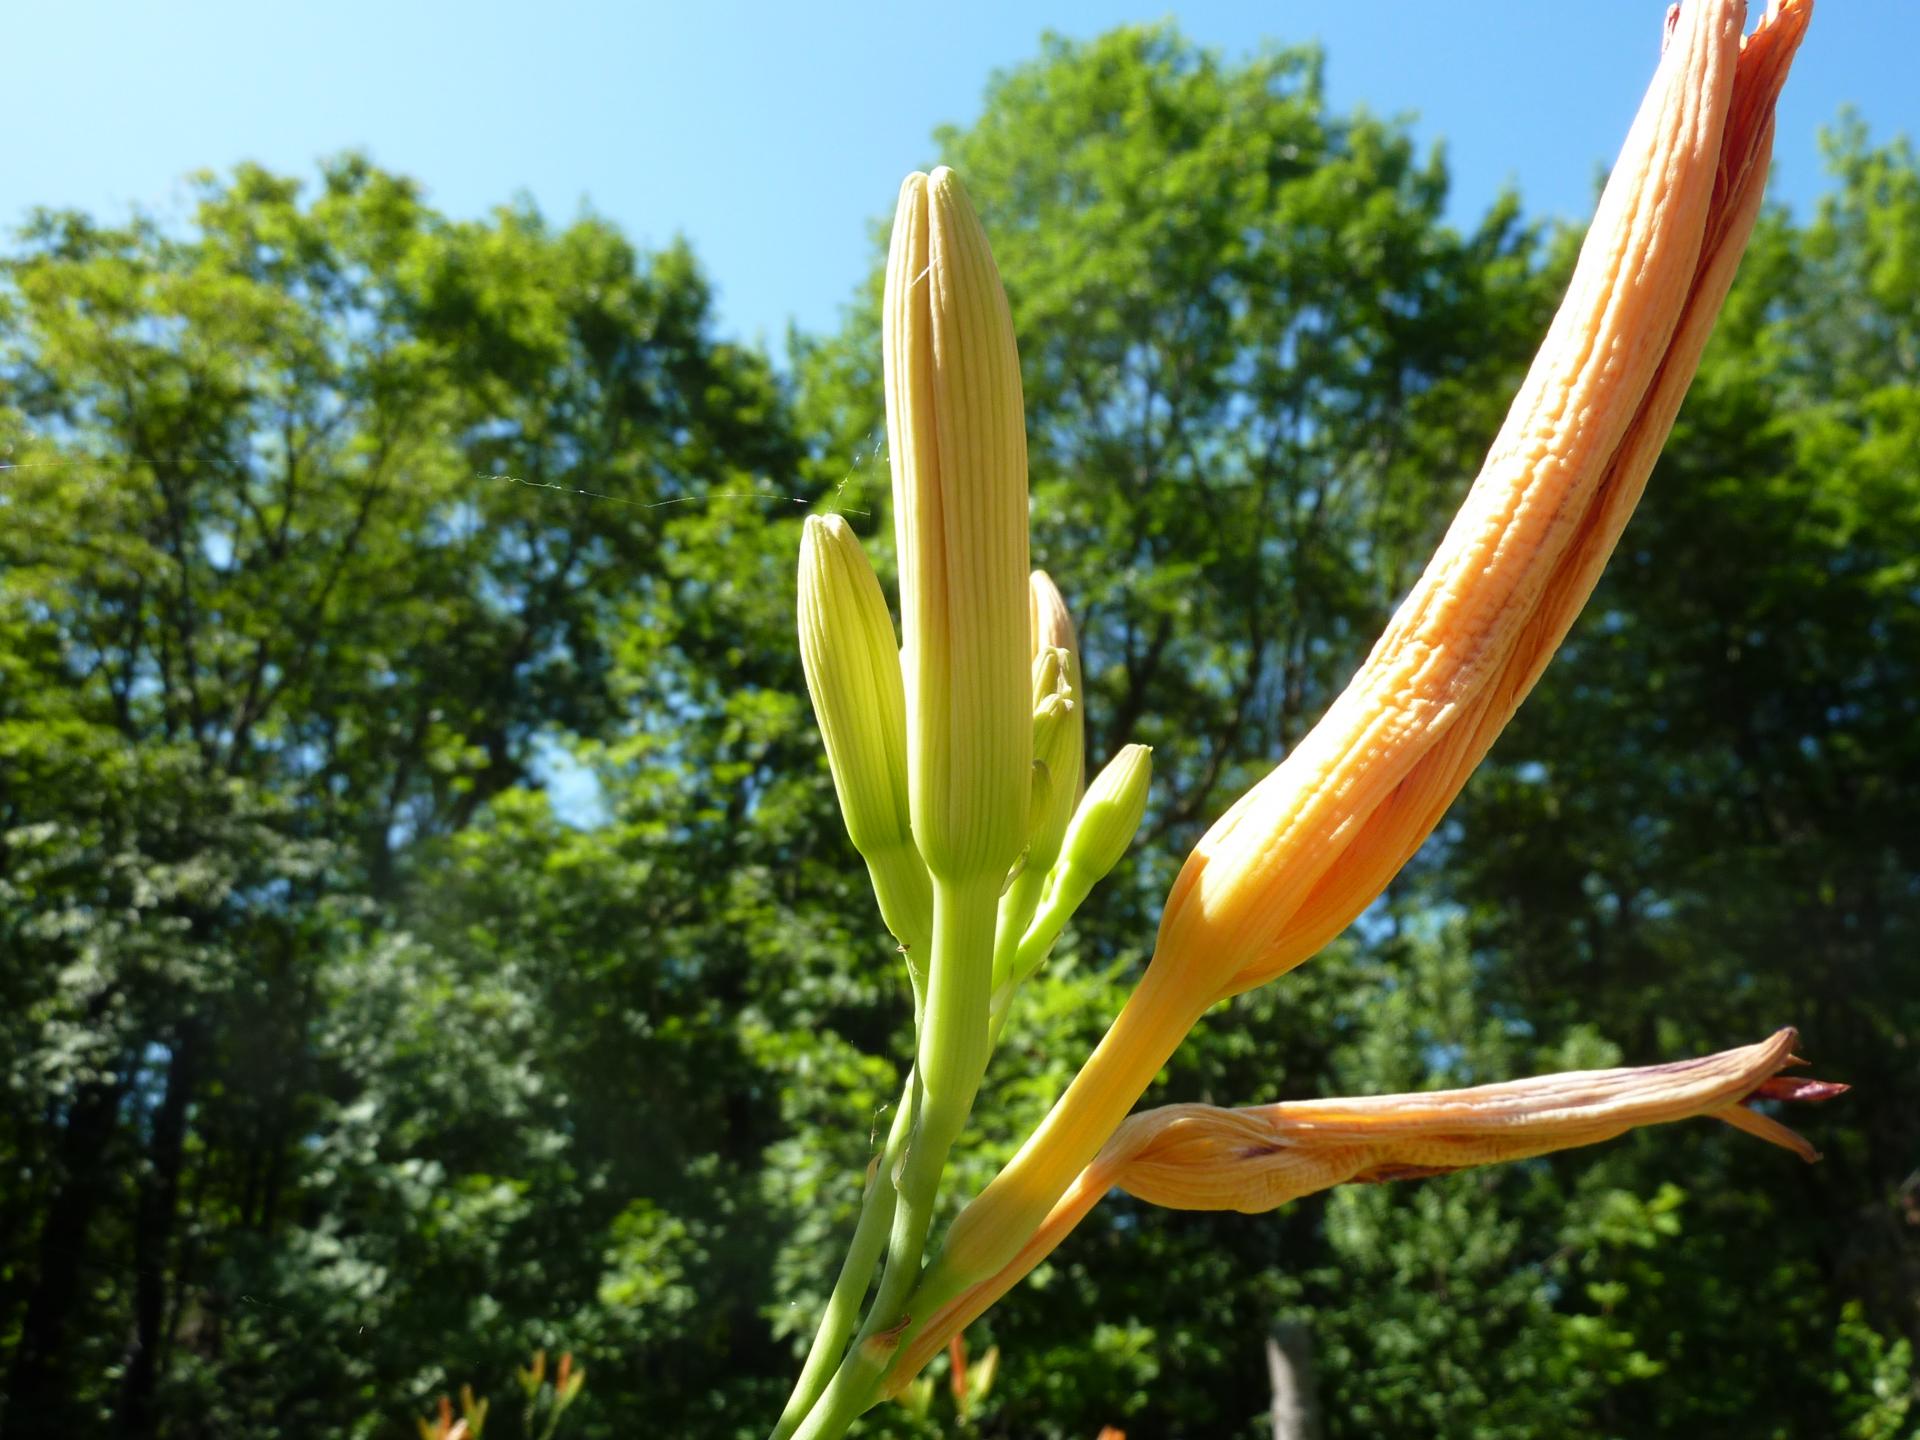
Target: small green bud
1102, 828
1104, 825
1057, 732
853, 675
1050, 627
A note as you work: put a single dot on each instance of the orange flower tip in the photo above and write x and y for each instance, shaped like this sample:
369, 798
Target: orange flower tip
1769, 48
1765, 1127
1788, 1087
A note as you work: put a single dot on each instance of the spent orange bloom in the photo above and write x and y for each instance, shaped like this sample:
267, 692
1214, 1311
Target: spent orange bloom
1202, 1157
1290, 866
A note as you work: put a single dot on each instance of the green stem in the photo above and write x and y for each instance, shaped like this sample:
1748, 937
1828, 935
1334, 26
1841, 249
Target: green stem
1019, 954
1016, 909
953, 1057
856, 1271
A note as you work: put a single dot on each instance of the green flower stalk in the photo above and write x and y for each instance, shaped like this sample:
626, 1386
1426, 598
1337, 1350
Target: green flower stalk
957, 433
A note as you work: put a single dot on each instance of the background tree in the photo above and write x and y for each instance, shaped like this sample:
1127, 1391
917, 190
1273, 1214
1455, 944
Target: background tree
277, 628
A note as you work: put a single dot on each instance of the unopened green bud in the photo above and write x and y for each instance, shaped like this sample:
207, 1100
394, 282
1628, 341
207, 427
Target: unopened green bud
1102, 829
957, 435
1049, 676
853, 675
1056, 768
1050, 627
1104, 825
1038, 798
1057, 734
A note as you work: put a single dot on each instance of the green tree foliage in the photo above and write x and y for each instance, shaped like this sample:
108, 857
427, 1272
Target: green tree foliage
275, 629
345, 1064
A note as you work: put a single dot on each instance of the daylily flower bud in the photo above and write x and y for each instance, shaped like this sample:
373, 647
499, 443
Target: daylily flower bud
1102, 829
1057, 733
853, 675
1057, 766
1050, 627
1104, 824
1305, 851
957, 434
1203, 1157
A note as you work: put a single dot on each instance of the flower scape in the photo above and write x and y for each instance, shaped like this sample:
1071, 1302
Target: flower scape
957, 753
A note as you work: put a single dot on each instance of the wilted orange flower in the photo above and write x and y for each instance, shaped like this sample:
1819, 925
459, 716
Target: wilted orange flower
1202, 1157
1306, 850
1289, 866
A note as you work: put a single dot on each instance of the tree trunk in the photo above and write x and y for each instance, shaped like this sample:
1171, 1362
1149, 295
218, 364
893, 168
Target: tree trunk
1296, 1416
38, 1397
153, 1241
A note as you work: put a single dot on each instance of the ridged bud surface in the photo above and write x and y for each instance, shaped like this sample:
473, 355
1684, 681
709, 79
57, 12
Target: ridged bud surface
853, 674
957, 434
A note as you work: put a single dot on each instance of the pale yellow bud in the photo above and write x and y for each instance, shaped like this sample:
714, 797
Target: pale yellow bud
957, 434
1050, 627
1049, 672
853, 675
1048, 623
1057, 744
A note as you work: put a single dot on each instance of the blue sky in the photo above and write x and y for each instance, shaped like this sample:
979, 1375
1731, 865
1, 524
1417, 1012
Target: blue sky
771, 134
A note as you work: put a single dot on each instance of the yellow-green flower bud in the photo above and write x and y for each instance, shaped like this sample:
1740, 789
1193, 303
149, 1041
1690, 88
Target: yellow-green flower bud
1056, 769
1049, 626
957, 434
1049, 672
1057, 747
1102, 828
853, 675
1104, 825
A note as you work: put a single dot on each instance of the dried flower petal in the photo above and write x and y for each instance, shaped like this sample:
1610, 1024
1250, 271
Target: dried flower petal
1203, 1157
1306, 850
